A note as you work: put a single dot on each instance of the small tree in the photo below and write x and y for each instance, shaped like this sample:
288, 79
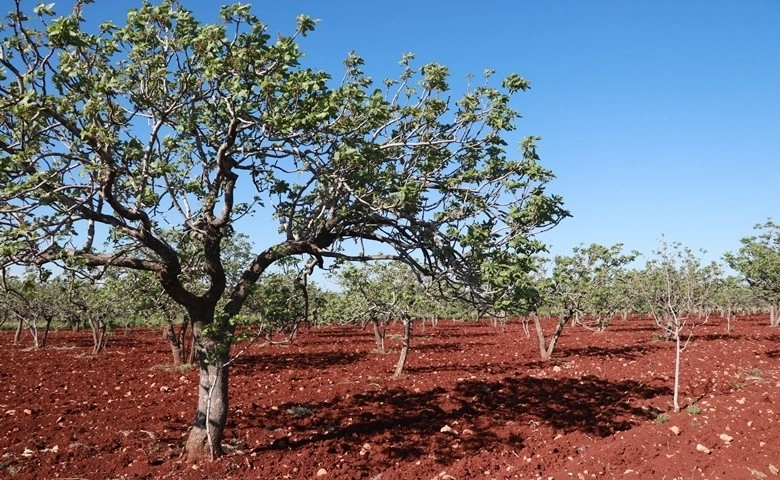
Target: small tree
35, 300
280, 303
677, 287
381, 293
732, 295
583, 284
758, 261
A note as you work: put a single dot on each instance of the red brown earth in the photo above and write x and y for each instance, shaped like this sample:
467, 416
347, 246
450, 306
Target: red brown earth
328, 404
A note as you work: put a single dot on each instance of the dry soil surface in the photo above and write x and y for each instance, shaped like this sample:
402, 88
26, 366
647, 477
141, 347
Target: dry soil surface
475, 403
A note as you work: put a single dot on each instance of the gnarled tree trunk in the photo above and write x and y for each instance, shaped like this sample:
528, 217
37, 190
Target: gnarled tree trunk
213, 351
399, 369
546, 350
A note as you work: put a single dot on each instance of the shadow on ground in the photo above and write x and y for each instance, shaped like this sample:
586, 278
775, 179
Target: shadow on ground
408, 424
628, 352
295, 361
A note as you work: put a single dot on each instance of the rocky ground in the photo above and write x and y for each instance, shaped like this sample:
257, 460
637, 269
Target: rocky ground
475, 402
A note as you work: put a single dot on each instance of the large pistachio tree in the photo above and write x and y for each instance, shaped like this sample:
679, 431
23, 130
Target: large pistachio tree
111, 135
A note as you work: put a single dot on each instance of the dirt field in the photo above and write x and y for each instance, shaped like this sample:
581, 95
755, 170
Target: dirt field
475, 403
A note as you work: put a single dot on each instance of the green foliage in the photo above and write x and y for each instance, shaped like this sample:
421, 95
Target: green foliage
676, 286
155, 126
589, 282
661, 418
380, 290
693, 409
758, 262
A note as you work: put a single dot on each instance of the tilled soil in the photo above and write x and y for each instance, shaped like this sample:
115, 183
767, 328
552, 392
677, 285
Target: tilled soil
475, 402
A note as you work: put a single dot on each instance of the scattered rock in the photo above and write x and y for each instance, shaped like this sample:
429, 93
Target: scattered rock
28, 411
726, 438
702, 448
466, 431
322, 472
675, 429
773, 469
741, 401
448, 429
365, 448
556, 369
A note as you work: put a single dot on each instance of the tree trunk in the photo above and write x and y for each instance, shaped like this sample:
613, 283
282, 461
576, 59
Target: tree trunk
46, 331
677, 359
193, 355
213, 351
98, 327
774, 317
399, 369
33, 326
546, 352
173, 341
18, 334
379, 334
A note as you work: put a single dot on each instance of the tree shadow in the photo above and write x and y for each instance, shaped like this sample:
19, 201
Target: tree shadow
712, 337
247, 364
436, 347
589, 405
481, 368
408, 424
629, 352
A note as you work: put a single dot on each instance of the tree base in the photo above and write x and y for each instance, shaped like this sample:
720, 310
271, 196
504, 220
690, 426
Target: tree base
198, 449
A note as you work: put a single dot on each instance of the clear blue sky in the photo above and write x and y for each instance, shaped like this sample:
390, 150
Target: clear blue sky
657, 117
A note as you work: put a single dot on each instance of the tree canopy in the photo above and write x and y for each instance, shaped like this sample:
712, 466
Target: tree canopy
758, 262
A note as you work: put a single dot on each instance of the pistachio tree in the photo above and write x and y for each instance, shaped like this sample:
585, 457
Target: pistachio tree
34, 301
678, 285
381, 293
583, 284
112, 135
758, 262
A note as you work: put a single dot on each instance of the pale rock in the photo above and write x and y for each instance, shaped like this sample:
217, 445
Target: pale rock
741, 401
556, 369
702, 448
773, 469
726, 438
322, 472
448, 429
675, 429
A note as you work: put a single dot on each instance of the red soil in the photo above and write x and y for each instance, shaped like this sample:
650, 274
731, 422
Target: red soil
328, 404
